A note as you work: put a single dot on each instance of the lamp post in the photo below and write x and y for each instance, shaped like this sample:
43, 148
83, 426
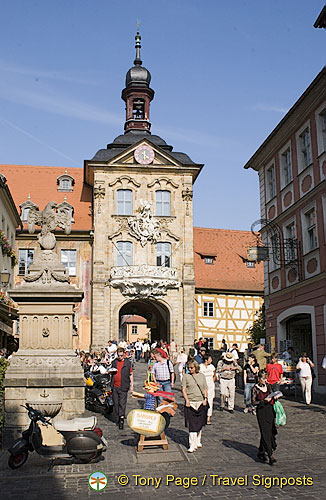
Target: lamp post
5, 277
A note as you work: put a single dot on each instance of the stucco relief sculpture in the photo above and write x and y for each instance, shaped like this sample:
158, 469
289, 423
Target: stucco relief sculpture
144, 281
47, 268
144, 227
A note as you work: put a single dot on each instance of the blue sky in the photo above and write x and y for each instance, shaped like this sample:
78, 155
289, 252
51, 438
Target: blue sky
224, 73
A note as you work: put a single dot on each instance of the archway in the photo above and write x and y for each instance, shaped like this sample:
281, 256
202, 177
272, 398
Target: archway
298, 334
296, 327
156, 315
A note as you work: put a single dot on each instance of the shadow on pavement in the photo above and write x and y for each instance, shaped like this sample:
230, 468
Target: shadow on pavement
245, 448
178, 436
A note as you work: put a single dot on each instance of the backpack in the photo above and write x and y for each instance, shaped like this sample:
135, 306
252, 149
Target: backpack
280, 413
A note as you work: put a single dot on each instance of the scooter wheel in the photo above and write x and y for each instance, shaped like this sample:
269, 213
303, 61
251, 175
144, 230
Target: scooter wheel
16, 461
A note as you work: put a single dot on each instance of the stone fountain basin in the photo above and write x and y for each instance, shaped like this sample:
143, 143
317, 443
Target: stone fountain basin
47, 409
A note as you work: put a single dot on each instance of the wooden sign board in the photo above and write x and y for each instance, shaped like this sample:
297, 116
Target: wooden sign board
146, 422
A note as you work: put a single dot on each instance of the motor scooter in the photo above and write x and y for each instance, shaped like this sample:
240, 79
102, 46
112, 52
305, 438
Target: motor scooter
98, 393
77, 440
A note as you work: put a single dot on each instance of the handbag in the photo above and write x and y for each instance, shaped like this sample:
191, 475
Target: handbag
207, 403
280, 413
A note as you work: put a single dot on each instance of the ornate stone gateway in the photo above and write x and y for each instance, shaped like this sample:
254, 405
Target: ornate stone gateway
45, 372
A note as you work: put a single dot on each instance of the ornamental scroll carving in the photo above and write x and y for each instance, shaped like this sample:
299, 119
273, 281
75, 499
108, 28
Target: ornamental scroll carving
47, 269
187, 195
99, 195
143, 226
144, 281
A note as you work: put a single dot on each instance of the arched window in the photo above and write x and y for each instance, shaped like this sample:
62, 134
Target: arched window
163, 202
124, 202
124, 253
163, 254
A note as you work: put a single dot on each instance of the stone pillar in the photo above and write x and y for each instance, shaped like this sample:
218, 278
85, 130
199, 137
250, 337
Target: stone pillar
45, 371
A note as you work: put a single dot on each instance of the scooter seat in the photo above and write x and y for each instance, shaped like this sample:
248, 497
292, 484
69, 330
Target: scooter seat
76, 424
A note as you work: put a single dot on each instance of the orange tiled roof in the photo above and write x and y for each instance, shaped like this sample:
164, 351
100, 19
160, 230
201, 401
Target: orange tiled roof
40, 183
136, 319
228, 272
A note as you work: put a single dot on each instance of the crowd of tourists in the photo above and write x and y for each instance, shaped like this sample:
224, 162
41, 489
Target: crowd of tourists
262, 374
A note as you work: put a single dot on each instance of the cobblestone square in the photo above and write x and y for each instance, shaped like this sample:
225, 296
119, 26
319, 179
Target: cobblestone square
225, 467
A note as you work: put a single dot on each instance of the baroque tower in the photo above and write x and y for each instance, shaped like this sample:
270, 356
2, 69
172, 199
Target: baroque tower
143, 259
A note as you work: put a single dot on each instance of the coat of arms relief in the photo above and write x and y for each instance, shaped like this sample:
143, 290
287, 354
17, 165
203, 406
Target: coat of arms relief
143, 226
143, 281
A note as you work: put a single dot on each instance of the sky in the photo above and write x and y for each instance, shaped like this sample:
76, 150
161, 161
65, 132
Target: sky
225, 72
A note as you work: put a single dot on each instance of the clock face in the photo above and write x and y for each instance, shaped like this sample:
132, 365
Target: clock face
144, 155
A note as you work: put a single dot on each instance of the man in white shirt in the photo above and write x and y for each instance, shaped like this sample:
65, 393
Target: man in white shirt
111, 348
123, 344
138, 348
235, 352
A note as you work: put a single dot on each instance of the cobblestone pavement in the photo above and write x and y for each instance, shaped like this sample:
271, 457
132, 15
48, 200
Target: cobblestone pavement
229, 451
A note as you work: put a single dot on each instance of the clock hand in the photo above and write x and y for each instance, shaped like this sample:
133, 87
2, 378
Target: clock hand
145, 157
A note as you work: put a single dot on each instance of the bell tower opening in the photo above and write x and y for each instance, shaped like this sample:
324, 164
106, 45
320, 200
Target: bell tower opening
138, 109
157, 318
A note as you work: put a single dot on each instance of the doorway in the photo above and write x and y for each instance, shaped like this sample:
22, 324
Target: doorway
156, 314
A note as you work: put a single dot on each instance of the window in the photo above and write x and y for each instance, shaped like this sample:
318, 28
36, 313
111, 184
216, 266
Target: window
68, 259
163, 254
322, 117
124, 253
210, 342
305, 148
25, 213
311, 230
25, 259
286, 167
134, 329
271, 186
209, 309
290, 242
209, 260
124, 202
65, 182
138, 109
163, 202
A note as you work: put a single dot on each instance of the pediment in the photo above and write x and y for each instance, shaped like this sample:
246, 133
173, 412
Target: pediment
127, 157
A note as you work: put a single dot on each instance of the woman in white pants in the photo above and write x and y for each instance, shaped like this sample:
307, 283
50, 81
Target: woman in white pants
208, 369
194, 391
305, 375
181, 362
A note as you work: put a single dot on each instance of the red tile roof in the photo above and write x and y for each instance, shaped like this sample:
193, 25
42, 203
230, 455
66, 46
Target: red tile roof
228, 271
136, 319
41, 184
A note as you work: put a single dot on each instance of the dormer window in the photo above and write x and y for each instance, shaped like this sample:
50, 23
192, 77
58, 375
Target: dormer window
208, 258
25, 208
65, 183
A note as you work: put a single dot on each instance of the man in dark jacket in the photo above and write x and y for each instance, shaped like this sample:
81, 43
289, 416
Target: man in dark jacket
122, 382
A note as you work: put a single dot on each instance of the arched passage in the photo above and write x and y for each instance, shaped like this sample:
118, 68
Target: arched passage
156, 314
296, 327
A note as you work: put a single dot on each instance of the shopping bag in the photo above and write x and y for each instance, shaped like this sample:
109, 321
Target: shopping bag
280, 413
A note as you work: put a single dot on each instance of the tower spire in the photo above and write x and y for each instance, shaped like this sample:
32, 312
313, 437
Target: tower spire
137, 94
138, 60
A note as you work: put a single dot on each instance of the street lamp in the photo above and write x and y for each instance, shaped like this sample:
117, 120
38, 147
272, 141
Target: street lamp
5, 277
